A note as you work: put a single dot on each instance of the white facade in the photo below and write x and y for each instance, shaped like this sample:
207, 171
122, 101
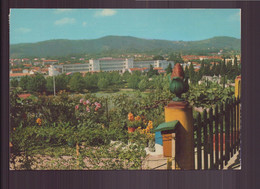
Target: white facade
75, 68
155, 63
55, 70
108, 65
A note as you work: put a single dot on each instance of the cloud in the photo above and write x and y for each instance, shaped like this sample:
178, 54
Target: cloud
64, 21
60, 11
84, 24
105, 12
24, 30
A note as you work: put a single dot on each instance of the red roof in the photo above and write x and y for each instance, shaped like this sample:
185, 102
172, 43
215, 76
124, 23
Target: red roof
17, 69
24, 95
50, 60
19, 74
27, 65
138, 69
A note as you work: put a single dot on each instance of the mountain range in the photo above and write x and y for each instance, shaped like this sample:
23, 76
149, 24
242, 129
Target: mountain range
119, 44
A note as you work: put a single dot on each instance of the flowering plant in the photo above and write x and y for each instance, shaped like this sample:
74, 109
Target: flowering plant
133, 121
89, 110
147, 130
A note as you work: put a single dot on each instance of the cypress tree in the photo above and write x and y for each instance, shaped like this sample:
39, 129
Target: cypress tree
192, 73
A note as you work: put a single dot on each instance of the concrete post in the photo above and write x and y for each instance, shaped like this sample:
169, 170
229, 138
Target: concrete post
184, 152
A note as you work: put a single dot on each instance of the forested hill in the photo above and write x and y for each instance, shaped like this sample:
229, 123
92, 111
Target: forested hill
120, 44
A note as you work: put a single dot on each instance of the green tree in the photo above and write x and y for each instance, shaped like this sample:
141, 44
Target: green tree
37, 83
77, 82
115, 78
143, 84
169, 69
152, 72
14, 83
158, 57
223, 68
192, 75
91, 81
134, 80
61, 83
24, 82
103, 83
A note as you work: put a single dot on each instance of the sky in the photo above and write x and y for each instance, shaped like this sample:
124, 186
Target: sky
34, 25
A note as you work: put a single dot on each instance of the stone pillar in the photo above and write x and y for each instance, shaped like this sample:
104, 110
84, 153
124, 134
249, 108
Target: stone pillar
184, 152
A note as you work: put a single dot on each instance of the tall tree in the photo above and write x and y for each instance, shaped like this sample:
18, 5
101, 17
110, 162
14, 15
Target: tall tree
192, 75
169, 69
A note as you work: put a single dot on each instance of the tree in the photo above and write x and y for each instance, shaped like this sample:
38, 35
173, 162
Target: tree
223, 68
133, 81
103, 83
126, 75
61, 83
158, 57
14, 83
77, 82
143, 84
186, 71
37, 83
115, 78
91, 81
169, 68
152, 72
24, 82
213, 70
202, 68
176, 58
192, 73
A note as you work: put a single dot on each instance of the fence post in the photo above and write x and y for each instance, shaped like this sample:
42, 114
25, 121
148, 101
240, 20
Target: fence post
182, 112
205, 139
199, 158
217, 142
238, 97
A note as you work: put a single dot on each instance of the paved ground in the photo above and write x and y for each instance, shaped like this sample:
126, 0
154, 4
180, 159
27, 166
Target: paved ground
156, 160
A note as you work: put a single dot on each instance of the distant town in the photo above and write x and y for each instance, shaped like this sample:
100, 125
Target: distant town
20, 67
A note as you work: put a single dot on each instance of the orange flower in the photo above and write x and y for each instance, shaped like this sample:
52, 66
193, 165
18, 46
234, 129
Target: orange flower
39, 121
130, 117
137, 118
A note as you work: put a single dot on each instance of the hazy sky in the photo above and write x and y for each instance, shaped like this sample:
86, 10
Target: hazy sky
33, 25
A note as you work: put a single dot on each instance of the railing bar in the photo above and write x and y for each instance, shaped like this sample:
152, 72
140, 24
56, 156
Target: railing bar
216, 139
221, 137
199, 159
205, 134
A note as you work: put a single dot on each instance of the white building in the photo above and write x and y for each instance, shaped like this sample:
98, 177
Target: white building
155, 63
108, 64
55, 70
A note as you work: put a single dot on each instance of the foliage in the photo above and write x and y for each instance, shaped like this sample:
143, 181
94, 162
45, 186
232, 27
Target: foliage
24, 82
77, 82
37, 83
14, 83
158, 57
206, 96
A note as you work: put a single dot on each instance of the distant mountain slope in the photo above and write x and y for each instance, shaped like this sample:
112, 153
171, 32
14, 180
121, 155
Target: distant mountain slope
119, 44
